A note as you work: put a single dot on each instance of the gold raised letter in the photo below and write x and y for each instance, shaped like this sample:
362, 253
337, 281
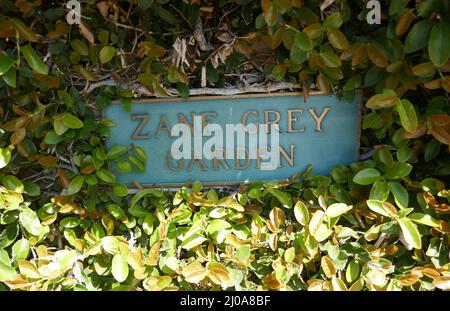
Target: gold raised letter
222, 162
163, 126
292, 119
245, 116
180, 163
268, 121
291, 157
183, 119
238, 164
319, 119
192, 162
137, 133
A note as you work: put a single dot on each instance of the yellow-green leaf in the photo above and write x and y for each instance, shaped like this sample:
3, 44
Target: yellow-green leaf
106, 54
408, 116
410, 232
119, 267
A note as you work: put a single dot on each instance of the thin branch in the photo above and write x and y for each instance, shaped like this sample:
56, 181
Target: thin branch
129, 27
142, 90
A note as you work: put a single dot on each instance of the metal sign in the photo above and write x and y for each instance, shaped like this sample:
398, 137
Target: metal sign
323, 131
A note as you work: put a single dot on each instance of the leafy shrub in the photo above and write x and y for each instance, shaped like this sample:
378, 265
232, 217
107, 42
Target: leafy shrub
379, 224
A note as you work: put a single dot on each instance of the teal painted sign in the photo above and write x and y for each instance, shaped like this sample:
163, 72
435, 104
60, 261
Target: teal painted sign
323, 132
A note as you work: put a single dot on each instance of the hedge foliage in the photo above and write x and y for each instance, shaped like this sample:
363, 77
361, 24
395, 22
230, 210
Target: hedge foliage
379, 224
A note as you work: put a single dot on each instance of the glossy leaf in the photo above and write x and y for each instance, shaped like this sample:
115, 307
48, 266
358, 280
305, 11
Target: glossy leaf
34, 60
410, 232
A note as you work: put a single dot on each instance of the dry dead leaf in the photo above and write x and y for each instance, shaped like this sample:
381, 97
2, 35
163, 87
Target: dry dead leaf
85, 32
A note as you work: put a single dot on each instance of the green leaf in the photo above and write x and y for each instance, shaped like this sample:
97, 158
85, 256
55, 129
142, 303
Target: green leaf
398, 171
353, 83
147, 224
120, 190
330, 59
217, 225
396, 7
145, 4
24, 31
34, 60
106, 54
379, 191
80, 46
10, 77
337, 39
75, 185
6, 63
337, 209
111, 245
439, 44
405, 212
141, 154
7, 273
432, 150
404, 153
97, 231
426, 7
143, 193
316, 221
367, 176
381, 208
230, 202
333, 21
71, 121
385, 156
340, 174
123, 167
70, 222
146, 78
243, 253
137, 164
212, 196
163, 282
13, 183
418, 37
410, 233
9, 235
116, 211
138, 211
307, 16
381, 101
352, 272
303, 41
279, 71
105, 175
197, 186
282, 197
340, 194
297, 55
30, 221
167, 16
424, 219
60, 127
301, 213
401, 196
408, 116
193, 241
52, 138
432, 185
119, 267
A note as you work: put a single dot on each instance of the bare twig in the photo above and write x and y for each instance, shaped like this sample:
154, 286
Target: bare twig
142, 90
129, 27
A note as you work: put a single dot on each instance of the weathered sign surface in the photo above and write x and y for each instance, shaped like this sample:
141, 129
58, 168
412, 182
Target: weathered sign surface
323, 132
